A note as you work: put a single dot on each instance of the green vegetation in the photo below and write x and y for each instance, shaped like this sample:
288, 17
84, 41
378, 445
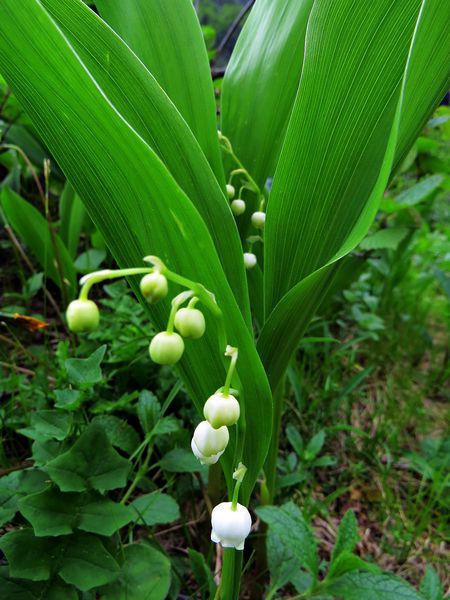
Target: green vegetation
173, 367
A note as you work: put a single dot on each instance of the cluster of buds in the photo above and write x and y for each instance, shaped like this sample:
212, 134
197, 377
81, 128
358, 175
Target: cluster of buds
167, 347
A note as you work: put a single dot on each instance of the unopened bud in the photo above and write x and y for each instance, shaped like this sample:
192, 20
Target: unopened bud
238, 207
166, 348
154, 287
190, 322
230, 190
258, 219
250, 260
82, 316
221, 410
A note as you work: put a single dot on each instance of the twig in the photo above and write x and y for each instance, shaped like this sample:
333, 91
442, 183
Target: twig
24, 371
24, 465
234, 25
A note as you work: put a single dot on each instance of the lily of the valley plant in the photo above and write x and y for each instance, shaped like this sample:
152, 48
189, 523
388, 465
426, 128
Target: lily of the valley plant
321, 99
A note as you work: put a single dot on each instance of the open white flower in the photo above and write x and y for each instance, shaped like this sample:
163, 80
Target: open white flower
230, 527
208, 444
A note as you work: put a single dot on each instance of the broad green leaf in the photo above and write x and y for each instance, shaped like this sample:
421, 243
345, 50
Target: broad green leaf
371, 586
54, 513
384, 239
119, 432
295, 439
135, 204
29, 557
21, 589
335, 202
68, 399
202, 572
72, 216
315, 445
414, 195
180, 460
290, 543
90, 463
86, 371
45, 451
51, 423
335, 145
168, 39
261, 82
429, 75
347, 535
144, 575
155, 509
148, 410
15, 485
34, 231
90, 260
80, 559
430, 586
138, 97
86, 563
346, 561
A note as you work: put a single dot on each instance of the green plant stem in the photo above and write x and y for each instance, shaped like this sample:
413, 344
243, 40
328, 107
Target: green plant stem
270, 467
230, 582
139, 475
234, 356
98, 276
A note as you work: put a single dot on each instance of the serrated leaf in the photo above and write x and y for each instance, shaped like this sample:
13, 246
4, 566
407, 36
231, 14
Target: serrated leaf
430, 586
290, 543
144, 575
148, 410
90, 463
295, 439
370, 586
166, 425
119, 432
414, 195
180, 460
86, 371
346, 561
347, 535
155, 509
315, 445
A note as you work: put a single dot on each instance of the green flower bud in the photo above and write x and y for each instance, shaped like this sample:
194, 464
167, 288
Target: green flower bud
258, 219
220, 410
82, 316
230, 190
238, 207
190, 322
166, 348
154, 287
250, 260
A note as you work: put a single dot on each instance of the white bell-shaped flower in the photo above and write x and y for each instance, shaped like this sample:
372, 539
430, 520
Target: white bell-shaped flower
230, 527
208, 444
230, 190
238, 207
250, 260
259, 219
222, 409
